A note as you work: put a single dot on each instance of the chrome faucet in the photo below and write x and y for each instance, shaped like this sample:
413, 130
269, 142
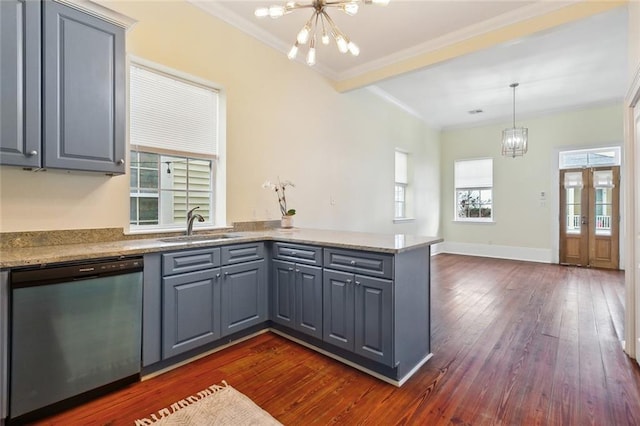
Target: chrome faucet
191, 216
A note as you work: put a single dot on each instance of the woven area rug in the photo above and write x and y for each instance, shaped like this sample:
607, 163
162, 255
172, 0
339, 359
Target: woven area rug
216, 405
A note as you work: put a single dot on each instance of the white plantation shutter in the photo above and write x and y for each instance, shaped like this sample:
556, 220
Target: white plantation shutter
474, 173
401, 167
170, 114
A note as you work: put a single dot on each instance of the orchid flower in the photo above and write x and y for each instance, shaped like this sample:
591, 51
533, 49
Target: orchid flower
282, 198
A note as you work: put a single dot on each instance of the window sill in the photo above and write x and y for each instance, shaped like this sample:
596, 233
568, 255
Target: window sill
481, 222
176, 229
403, 219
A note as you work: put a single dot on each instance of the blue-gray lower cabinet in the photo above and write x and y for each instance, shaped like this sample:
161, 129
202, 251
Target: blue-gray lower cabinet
283, 296
338, 319
243, 296
358, 314
373, 318
297, 297
4, 342
190, 311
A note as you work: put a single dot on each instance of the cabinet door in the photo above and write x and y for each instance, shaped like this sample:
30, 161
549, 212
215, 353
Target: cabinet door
191, 310
20, 83
283, 293
4, 341
84, 84
373, 319
244, 296
338, 293
309, 300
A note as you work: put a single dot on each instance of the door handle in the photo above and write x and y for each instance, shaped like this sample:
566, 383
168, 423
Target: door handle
584, 220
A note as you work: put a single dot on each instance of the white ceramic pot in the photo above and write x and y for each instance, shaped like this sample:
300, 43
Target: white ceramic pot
286, 222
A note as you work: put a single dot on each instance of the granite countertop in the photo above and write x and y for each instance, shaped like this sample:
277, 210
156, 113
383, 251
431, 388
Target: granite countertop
47, 254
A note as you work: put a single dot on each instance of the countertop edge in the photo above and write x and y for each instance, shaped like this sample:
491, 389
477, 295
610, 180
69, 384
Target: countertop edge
127, 248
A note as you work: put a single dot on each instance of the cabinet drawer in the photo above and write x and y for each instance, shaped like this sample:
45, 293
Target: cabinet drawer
373, 264
190, 260
298, 253
242, 253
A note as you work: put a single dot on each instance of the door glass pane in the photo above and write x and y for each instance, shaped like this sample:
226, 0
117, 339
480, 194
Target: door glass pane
603, 211
573, 209
603, 185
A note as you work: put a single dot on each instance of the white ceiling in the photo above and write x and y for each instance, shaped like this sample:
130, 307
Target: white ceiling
578, 64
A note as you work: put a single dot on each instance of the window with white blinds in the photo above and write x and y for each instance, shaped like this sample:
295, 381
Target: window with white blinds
169, 113
473, 180
401, 184
174, 138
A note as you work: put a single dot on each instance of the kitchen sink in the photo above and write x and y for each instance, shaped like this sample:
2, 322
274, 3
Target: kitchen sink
198, 238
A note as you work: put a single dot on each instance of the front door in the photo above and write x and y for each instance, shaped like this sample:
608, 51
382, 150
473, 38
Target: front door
589, 216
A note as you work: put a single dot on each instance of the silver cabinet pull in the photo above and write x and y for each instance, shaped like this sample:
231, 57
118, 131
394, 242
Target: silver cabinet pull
353, 262
348, 281
293, 253
291, 269
217, 275
358, 283
120, 162
297, 270
33, 153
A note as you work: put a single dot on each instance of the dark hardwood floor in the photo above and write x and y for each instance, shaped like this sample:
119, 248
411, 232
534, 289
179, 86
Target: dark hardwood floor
514, 343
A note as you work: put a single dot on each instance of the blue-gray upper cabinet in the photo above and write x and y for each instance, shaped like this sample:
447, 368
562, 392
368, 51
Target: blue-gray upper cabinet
244, 296
84, 91
20, 66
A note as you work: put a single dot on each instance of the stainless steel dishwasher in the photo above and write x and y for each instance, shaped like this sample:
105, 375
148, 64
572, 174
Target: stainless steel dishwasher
75, 332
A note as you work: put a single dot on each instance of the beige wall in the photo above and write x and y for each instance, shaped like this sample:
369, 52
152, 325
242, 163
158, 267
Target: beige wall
282, 120
634, 37
523, 223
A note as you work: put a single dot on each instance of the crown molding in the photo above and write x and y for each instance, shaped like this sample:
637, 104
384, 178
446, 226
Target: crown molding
523, 117
506, 19
376, 90
548, 16
247, 26
98, 9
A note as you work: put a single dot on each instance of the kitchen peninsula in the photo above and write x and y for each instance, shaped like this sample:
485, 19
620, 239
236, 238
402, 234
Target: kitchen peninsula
361, 298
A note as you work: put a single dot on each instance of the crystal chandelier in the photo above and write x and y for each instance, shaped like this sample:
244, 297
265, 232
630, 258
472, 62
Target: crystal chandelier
319, 22
514, 140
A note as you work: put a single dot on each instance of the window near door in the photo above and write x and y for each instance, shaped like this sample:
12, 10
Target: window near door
175, 150
401, 184
609, 156
473, 180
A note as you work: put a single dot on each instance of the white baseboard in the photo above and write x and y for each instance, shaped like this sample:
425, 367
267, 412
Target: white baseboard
437, 249
528, 254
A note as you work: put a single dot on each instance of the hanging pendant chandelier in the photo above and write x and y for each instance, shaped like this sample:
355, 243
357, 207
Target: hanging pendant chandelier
320, 23
514, 140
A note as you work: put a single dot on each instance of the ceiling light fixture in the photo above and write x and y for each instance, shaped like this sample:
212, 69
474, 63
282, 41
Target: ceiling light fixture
515, 140
319, 23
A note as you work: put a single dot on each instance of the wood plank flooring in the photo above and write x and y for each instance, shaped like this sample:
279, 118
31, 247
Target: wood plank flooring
514, 343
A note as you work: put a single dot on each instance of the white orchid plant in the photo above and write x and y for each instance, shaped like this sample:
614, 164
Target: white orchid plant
280, 192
